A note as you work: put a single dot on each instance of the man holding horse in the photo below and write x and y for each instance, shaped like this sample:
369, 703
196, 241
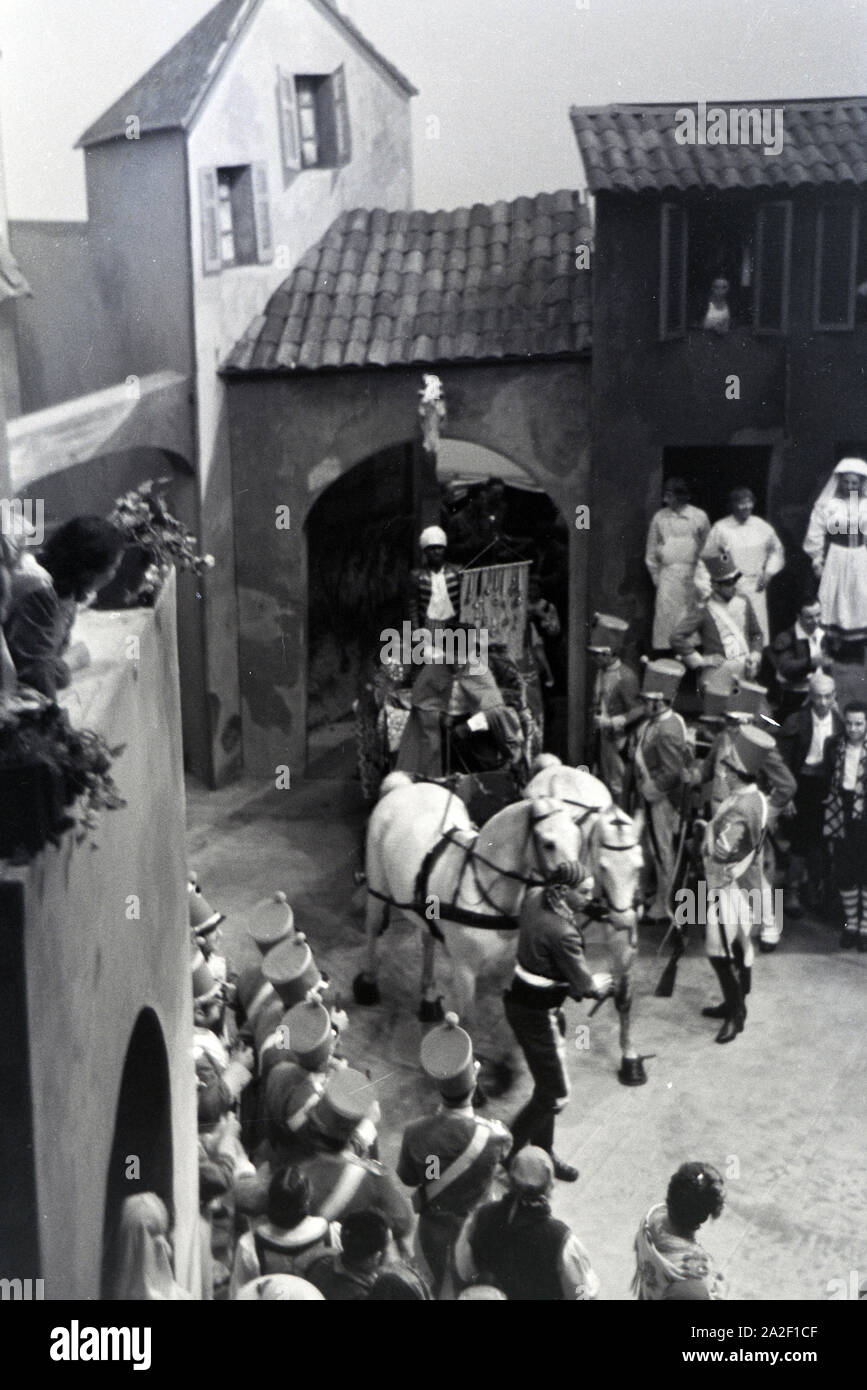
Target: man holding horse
550, 967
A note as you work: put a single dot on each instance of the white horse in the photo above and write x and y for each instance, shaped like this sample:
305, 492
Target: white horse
425, 858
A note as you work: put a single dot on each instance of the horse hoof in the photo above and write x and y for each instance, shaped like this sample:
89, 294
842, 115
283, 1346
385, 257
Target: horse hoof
632, 1072
431, 1011
365, 991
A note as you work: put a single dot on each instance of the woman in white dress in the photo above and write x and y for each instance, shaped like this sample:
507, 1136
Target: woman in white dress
836, 542
676, 536
755, 548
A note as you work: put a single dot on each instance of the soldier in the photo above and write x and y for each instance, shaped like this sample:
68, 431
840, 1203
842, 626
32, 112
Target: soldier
550, 965
732, 853
725, 627
449, 1157
661, 756
747, 705
615, 700
341, 1180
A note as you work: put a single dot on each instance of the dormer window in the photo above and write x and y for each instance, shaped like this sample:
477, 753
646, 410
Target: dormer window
314, 120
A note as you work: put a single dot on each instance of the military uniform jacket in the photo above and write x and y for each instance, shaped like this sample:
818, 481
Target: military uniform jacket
444, 1136
342, 1183
419, 592
703, 629
776, 779
615, 694
661, 753
733, 841
551, 948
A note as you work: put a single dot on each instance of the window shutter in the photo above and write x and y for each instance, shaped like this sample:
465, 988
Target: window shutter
262, 213
836, 255
342, 138
209, 202
773, 257
672, 266
288, 108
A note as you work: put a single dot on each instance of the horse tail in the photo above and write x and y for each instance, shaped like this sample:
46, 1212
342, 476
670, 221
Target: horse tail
393, 781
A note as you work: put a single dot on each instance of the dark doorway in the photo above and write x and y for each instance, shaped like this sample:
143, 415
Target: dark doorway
713, 472
142, 1132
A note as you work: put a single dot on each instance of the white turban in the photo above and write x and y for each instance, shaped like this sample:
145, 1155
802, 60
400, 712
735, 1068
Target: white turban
435, 535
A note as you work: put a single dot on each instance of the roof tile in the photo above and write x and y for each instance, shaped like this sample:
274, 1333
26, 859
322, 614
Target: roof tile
381, 289
633, 149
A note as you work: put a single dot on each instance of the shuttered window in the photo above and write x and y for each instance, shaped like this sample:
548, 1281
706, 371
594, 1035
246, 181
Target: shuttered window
290, 138
342, 140
773, 257
212, 257
836, 260
672, 271
262, 214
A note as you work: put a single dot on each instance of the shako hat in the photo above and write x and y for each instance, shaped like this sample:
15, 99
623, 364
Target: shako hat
203, 918
348, 1099
607, 634
747, 701
291, 969
750, 749
662, 678
715, 693
205, 987
720, 566
447, 1058
309, 1033
271, 921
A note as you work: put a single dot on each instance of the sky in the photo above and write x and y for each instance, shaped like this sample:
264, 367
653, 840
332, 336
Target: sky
499, 76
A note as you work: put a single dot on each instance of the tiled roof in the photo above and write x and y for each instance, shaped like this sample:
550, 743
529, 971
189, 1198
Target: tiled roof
170, 93
397, 288
632, 149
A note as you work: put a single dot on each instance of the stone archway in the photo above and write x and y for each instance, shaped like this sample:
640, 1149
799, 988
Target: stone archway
141, 1153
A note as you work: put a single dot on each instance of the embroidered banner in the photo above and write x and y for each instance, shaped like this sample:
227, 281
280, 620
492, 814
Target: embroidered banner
495, 597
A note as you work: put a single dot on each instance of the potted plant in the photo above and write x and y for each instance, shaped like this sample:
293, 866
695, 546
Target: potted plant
53, 778
155, 541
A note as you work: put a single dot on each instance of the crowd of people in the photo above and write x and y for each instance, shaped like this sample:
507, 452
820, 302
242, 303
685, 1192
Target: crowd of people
295, 1201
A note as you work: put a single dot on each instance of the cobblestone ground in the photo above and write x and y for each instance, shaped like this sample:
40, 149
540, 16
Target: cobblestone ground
781, 1111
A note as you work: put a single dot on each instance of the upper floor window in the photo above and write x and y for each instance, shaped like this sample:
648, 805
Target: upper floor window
835, 291
723, 265
236, 216
314, 120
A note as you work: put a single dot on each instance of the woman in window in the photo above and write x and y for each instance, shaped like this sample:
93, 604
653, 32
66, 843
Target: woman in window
836, 542
79, 559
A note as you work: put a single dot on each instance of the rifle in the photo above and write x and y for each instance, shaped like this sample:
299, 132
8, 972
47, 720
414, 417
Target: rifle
668, 978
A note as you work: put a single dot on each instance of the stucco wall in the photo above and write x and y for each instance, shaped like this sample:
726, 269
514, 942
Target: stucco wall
89, 971
237, 125
292, 437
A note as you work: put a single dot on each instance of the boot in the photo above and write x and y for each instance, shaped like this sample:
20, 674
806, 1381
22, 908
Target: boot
735, 1015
